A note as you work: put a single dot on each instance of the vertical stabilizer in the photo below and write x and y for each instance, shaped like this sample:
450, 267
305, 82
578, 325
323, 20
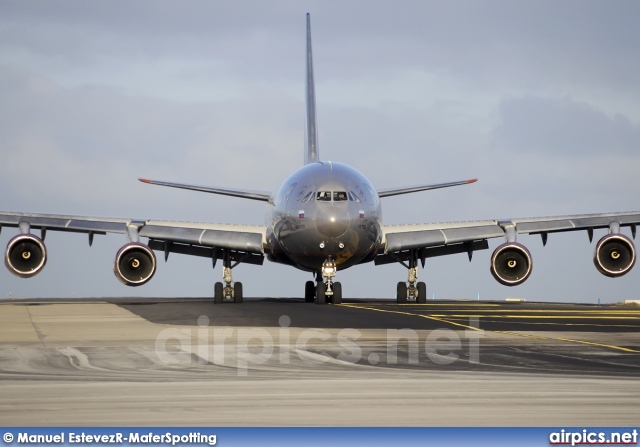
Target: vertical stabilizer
311, 154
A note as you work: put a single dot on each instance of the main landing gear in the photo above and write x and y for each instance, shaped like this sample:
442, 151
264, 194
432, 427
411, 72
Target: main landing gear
415, 290
324, 292
229, 291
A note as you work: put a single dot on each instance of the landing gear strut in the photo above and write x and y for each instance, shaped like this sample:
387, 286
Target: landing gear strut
325, 290
229, 290
415, 290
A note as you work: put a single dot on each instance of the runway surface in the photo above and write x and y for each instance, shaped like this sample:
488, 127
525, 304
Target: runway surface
284, 362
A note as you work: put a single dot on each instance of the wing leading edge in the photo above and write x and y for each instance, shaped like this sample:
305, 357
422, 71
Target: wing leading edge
403, 242
241, 238
242, 193
387, 192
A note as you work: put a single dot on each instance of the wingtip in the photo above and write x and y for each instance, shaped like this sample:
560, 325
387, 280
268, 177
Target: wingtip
473, 180
144, 180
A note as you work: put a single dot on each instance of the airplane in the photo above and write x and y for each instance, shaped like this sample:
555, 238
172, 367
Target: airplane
324, 218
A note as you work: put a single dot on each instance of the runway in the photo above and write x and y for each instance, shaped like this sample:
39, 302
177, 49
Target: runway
133, 361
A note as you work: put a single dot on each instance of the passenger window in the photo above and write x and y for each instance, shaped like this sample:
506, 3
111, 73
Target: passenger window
339, 196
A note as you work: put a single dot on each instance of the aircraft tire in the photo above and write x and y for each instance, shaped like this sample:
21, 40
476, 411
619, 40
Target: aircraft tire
401, 296
237, 292
309, 292
321, 298
337, 293
218, 289
422, 293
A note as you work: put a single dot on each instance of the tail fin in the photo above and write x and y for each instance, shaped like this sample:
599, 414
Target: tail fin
311, 154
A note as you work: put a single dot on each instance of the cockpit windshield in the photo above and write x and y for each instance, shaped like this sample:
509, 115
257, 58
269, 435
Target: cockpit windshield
339, 196
328, 196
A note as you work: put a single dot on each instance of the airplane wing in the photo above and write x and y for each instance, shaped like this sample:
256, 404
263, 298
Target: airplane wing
206, 239
242, 193
247, 238
60, 222
241, 243
409, 237
412, 243
387, 192
398, 238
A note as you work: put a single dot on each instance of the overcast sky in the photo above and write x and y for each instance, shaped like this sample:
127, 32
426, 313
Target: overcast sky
540, 100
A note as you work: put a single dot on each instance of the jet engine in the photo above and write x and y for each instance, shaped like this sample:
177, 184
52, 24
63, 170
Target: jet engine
615, 255
135, 264
26, 255
511, 264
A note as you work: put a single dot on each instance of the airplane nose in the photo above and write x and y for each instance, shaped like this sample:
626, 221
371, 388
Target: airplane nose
333, 223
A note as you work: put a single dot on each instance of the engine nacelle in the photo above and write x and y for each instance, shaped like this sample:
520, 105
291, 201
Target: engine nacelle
511, 264
26, 255
615, 255
135, 264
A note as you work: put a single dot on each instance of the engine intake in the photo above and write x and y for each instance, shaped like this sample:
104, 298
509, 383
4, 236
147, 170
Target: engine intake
135, 264
615, 255
26, 255
511, 264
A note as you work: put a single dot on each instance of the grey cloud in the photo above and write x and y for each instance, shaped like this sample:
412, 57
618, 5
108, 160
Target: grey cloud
564, 126
84, 148
486, 43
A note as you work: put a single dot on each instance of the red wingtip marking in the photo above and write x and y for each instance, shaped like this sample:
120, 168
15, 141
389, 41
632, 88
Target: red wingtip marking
472, 180
144, 180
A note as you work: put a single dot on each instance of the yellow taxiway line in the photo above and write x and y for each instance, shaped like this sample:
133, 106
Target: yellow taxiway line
520, 334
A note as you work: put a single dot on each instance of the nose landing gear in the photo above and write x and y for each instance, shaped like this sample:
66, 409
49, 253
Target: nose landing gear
325, 290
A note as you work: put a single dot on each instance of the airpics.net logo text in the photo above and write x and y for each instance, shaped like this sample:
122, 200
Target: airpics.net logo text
592, 437
244, 347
